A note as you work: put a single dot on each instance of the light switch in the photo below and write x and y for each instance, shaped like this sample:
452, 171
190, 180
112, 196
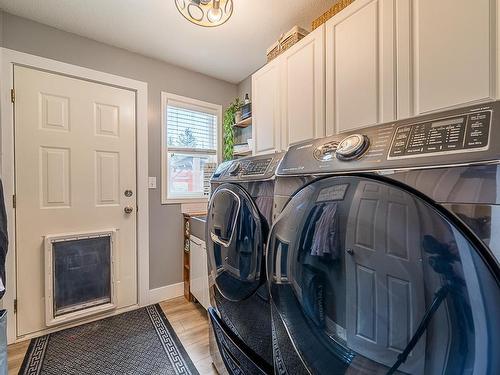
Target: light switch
152, 182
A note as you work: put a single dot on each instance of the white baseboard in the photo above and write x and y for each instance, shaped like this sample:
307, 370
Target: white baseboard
166, 292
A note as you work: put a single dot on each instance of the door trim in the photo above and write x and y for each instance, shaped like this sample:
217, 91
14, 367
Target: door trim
9, 58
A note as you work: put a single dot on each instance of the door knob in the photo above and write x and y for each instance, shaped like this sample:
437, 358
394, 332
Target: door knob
128, 210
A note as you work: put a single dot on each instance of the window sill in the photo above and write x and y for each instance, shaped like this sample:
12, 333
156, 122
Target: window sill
184, 200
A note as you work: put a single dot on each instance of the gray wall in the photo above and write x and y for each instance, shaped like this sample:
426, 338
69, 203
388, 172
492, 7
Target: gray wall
245, 87
165, 220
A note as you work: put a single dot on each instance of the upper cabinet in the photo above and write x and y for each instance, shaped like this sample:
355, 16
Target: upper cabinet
377, 61
360, 73
303, 90
446, 54
266, 109
289, 96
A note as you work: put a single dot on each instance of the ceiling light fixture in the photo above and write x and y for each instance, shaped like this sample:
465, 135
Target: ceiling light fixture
208, 13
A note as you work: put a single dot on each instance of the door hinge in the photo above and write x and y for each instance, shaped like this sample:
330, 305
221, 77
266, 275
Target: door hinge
14, 201
15, 306
12, 95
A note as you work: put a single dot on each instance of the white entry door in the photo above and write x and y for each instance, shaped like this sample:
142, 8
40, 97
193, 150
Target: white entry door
75, 158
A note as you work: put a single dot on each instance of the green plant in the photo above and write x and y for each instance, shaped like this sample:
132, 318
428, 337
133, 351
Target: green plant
229, 116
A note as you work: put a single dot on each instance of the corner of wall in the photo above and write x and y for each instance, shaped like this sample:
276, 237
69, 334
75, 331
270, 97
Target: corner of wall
245, 87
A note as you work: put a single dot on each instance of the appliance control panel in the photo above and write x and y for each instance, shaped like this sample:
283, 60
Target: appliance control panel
256, 167
457, 136
444, 135
250, 168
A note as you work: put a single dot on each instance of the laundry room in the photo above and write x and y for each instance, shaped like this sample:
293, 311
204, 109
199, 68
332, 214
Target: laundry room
231, 187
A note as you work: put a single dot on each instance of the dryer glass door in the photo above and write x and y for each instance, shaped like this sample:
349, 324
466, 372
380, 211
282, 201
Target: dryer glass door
367, 278
234, 242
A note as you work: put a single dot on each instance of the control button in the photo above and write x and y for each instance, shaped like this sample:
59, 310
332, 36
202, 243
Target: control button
234, 169
352, 147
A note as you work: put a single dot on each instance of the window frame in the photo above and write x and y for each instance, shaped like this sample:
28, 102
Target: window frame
191, 104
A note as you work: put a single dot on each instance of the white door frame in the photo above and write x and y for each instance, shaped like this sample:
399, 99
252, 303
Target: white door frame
9, 58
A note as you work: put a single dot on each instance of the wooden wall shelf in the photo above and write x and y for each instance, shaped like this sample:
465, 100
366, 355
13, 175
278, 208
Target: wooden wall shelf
244, 123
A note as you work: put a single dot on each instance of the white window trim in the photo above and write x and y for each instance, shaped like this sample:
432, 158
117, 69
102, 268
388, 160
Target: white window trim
188, 103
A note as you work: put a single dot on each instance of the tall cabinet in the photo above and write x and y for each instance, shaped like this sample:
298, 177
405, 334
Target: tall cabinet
303, 90
360, 66
447, 54
266, 110
289, 96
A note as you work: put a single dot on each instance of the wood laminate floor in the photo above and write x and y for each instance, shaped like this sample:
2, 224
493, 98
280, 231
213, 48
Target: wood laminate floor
189, 321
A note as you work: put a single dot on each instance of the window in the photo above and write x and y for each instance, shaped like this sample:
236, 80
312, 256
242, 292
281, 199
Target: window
190, 147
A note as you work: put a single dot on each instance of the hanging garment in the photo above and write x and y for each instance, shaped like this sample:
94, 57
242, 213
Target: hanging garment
325, 239
3, 254
3, 241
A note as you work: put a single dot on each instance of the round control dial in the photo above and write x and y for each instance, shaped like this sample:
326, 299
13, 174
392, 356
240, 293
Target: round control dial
234, 169
352, 147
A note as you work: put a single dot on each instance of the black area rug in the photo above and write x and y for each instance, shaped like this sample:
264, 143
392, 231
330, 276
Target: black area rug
136, 342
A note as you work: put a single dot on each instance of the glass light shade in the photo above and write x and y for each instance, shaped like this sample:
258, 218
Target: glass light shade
208, 13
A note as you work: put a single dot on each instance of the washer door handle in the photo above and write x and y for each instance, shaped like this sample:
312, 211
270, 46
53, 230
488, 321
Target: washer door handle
219, 240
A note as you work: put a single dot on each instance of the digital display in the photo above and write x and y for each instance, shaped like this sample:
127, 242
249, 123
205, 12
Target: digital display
454, 121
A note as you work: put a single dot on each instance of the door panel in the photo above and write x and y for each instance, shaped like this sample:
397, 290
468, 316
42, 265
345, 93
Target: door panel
303, 90
358, 275
75, 157
453, 53
234, 242
360, 66
266, 114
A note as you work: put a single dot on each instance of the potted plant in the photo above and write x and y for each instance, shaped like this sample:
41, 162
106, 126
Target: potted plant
229, 120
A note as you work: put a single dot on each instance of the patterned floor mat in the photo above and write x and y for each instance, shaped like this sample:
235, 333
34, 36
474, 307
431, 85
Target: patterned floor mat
136, 342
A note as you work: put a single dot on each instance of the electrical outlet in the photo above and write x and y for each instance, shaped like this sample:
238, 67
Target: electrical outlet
152, 182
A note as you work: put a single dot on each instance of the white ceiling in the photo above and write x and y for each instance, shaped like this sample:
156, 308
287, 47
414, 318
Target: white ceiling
155, 28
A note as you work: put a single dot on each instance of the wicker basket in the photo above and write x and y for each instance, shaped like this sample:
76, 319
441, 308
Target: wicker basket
273, 51
285, 42
338, 7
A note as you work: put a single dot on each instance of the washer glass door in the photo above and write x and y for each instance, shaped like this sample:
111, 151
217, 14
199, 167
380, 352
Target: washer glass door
234, 242
367, 278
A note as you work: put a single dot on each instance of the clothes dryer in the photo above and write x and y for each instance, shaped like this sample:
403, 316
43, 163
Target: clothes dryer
383, 256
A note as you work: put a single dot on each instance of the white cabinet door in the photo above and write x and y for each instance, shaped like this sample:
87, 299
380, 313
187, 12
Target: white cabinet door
198, 271
303, 90
448, 48
360, 71
266, 112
